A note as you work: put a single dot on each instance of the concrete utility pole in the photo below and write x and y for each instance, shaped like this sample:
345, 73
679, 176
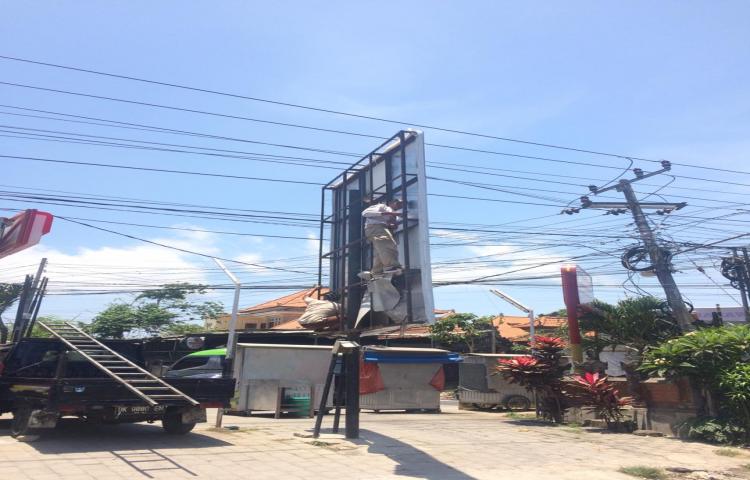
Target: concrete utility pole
747, 283
520, 306
659, 261
742, 279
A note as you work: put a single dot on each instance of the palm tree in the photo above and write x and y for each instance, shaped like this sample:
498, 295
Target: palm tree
634, 323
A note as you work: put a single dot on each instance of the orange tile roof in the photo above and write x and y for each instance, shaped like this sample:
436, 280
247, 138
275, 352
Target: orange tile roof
517, 328
293, 300
289, 325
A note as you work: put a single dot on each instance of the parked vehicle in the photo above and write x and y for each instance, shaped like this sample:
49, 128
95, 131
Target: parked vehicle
44, 379
480, 388
203, 364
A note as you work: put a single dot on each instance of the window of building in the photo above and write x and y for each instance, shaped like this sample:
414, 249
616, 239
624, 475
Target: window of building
251, 326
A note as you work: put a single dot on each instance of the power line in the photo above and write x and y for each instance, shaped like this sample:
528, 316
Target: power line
131, 200
299, 217
194, 229
132, 237
153, 128
349, 114
238, 117
162, 170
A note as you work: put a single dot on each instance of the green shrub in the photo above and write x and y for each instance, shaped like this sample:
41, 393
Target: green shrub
735, 384
716, 360
701, 355
713, 430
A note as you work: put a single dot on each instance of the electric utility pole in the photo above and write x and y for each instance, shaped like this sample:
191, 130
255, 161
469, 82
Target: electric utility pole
660, 258
735, 269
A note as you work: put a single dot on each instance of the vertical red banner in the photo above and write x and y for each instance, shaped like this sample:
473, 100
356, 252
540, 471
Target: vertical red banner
569, 277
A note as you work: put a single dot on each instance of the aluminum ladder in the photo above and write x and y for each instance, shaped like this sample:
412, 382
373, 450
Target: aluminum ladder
153, 390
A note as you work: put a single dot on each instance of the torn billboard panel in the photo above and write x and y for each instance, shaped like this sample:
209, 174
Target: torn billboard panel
402, 293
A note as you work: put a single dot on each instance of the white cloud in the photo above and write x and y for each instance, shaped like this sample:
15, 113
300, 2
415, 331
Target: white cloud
126, 268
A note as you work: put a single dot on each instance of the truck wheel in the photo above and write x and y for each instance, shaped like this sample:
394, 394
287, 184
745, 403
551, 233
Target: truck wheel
516, 402
173, 424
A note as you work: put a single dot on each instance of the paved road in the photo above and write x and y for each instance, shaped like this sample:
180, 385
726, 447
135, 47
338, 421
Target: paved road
453, 445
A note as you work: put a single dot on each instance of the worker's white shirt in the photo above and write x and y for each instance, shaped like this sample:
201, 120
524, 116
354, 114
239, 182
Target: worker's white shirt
318, 310
373, 214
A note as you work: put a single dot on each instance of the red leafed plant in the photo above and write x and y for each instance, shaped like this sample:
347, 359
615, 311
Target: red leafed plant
526, 371
539, 373
598, 392
548, 343
520, 362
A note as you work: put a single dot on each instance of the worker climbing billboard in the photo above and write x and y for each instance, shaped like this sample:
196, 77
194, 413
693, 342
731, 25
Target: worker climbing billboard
375, 236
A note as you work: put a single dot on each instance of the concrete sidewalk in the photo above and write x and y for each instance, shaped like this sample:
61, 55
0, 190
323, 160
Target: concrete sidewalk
453, 445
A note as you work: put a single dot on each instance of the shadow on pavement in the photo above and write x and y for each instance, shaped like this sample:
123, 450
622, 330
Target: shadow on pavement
532, 423
77, 436
411, 461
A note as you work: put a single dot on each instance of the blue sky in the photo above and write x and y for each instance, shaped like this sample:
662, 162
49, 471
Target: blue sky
664, 80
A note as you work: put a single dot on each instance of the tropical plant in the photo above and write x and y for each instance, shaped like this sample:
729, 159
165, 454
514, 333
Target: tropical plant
715, 359
734, 385
596, 391
635, 323
9, 293
541, 374
713, 430
701, 355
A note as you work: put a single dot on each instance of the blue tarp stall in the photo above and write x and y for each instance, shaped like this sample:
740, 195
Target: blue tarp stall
380, 356
409, 379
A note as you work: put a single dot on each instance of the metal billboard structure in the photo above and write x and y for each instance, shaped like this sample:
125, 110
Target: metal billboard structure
394, 170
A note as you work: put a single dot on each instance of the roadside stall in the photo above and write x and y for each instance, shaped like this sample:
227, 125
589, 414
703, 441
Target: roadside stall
280, 378
408, 379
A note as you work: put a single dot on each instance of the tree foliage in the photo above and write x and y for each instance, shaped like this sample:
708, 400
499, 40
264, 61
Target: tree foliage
9, 293
637, 323
716, 359
462, 329
164, 311
172, 294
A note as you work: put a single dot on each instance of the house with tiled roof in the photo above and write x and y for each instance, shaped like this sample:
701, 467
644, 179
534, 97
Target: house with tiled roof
516, 329
268, 314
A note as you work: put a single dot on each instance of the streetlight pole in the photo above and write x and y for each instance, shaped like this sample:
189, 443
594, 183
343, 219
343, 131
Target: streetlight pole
520, 306
232, 335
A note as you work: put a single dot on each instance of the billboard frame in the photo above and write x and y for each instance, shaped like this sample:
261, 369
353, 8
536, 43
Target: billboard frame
348, 250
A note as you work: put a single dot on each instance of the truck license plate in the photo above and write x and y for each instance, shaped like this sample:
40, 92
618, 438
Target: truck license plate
138, 410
